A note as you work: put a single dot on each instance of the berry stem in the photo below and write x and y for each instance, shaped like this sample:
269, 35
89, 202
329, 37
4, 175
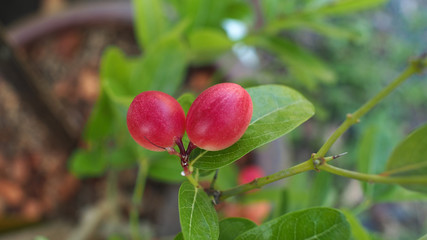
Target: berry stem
190, 148
180, 144
194, 181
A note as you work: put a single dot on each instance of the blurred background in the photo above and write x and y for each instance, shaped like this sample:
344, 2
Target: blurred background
68, 68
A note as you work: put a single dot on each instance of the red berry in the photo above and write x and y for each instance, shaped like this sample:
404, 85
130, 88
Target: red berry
219, 116
155, 120
249, 174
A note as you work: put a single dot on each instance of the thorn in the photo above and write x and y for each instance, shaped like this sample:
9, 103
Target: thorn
339, 155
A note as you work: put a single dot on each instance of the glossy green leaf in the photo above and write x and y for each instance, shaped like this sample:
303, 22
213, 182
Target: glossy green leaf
208, 41
314, 223
150, 21
197, 215
230, 228
409, 159
357, 230
277, 110
347, 6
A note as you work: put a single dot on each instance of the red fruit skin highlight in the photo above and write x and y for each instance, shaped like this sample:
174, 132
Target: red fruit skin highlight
155, 119
219, 116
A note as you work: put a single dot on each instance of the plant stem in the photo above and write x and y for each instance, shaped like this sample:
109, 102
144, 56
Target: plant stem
354, 117
193, 180
137, 198
372, 178
318, 161
259, 182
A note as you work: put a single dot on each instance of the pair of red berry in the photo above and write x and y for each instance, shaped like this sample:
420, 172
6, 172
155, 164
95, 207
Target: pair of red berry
216, 120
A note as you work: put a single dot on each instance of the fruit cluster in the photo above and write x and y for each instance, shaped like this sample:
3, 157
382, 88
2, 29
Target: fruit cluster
216, 120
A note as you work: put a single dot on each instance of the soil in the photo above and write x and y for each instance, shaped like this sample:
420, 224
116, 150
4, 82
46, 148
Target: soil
34, 181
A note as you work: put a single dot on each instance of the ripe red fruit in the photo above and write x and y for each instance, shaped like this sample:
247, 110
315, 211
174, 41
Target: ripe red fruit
155, 120
219, 116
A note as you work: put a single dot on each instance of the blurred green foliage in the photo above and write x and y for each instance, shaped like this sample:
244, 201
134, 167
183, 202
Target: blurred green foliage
328, 50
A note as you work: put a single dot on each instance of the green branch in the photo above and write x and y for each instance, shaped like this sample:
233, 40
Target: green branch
259, 182
372, 178
318, 161
194, 181
353, 118
137, 198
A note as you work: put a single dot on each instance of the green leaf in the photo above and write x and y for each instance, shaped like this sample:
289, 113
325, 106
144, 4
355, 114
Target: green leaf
357, 230
202, 13
185, 101
277, 110
101, 121
423, 237
329, 30
124, 154
227, 177
209, 41
321, 189
162, 68
315, 24
116, 71
409, 158
166, 168
197, 215
376, 140
88, 163
347, 6
400, 194
230, 228
150, 21
41, 238
303, 65
314, 223
179, 236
